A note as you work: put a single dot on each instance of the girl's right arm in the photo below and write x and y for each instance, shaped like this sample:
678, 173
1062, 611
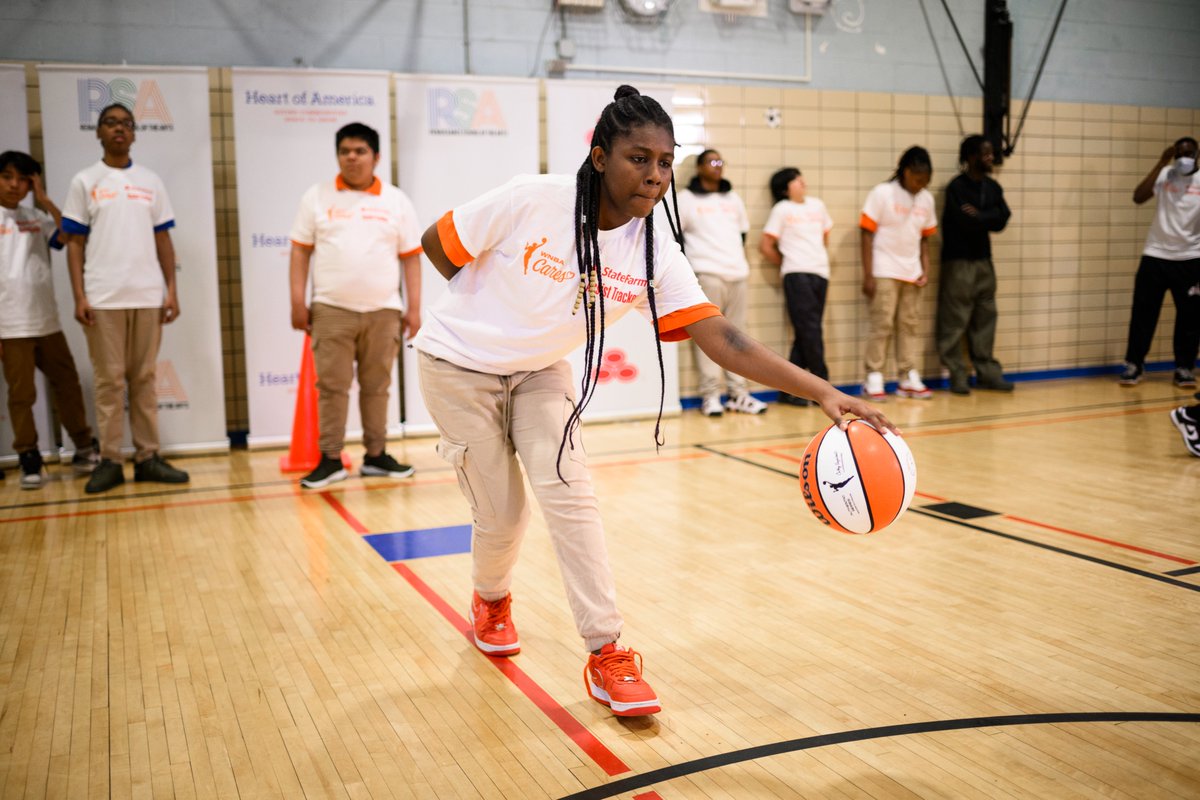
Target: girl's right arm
431, 243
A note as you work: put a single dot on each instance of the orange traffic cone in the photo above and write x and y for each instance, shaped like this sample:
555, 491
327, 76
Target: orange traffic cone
305, 451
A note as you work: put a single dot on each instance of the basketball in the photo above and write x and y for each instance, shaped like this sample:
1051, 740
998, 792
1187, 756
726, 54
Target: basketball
857, 480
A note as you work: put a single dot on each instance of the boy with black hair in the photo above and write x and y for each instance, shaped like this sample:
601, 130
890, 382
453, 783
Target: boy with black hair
31, 336
358, 238
119, 218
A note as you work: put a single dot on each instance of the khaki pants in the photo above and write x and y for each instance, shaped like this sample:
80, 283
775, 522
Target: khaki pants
340, 339
487, 423
895, 309
52, 356
730, 297
123, 345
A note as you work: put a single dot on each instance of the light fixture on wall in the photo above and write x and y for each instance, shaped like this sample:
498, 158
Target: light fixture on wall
647, 9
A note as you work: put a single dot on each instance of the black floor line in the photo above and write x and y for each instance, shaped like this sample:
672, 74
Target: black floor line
809, 742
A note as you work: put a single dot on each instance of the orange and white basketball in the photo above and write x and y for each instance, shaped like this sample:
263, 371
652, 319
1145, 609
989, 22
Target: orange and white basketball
857, 480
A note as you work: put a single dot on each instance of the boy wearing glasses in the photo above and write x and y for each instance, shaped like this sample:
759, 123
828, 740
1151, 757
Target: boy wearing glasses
714, 222
122, 266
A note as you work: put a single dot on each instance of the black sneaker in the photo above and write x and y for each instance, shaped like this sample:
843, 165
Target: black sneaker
107, 475
32, 473
995, 385
793, 400
1131, 375
1184, 378
383, 465
1188, 429
959, 383
86, 459
156, 470
330, 470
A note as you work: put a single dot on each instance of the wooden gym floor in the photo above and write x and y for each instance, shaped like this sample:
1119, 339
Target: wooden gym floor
1028, 629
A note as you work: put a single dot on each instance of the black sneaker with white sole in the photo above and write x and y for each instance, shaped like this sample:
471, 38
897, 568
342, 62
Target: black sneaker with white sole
33, 474
329, 470
1131, 375
1188, 427
384, 466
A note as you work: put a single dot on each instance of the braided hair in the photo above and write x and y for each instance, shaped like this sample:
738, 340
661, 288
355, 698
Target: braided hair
915, 158
629, 110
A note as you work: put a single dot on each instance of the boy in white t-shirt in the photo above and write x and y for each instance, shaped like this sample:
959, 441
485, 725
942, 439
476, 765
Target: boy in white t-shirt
122, 265
536, 268
1170, 262
356, 235
796, 239
714, 223
31, 336
897, 220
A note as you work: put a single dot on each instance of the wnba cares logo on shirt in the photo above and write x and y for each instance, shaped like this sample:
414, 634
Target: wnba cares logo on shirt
144, 97
540, 262
465, 112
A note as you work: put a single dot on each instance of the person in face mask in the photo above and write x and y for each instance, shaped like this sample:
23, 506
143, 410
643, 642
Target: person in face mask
1170, 261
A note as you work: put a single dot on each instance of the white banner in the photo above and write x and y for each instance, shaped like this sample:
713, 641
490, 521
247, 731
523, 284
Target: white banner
629, 378
170, 105
456, 138
285, 124
14, 135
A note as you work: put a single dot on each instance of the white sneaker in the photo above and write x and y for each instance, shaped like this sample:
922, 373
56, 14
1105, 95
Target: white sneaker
872, 388
911, 386
711, 407
746, 404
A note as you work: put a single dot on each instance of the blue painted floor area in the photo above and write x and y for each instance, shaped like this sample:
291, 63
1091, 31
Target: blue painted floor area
422, 543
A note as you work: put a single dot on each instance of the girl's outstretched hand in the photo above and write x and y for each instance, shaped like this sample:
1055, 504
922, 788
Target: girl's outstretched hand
838, 404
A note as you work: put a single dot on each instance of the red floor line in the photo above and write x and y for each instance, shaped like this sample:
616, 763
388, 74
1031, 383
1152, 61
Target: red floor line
1101, 539
589, 744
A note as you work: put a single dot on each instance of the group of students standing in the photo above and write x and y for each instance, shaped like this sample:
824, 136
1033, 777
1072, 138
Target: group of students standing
116, 228
897, 219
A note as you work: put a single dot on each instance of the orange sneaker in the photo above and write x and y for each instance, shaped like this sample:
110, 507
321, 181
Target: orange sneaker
614, 679
494, 630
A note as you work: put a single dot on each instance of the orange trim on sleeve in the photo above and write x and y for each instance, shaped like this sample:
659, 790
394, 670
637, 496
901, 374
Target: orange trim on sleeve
451, 244
415, 252
929, 231
866, 223
673, 327
302, 245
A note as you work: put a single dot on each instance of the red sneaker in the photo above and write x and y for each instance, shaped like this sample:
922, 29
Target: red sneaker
494, 630
614, 679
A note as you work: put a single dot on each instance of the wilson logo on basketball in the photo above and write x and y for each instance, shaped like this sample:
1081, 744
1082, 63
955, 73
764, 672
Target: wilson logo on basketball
169, 388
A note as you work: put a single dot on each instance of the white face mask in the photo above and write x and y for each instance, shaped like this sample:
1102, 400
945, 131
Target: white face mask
1185, 164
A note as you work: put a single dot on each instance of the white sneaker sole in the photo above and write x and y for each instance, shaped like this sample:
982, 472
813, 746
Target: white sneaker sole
340, 475
639, 708
492, 649
913, 394
376, 472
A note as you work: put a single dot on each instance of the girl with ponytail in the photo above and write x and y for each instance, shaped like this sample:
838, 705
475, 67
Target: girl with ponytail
536, 268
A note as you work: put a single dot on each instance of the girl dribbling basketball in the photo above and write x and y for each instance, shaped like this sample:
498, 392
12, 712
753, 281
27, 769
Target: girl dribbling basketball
536, 268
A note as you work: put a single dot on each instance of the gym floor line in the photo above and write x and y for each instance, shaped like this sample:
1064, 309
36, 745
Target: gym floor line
915, 429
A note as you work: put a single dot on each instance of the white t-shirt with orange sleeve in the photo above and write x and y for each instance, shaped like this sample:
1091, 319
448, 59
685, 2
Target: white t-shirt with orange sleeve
27, 305
357, 239
713, 224
509, 309
1175, 233
800, 229
119, 210
899, 221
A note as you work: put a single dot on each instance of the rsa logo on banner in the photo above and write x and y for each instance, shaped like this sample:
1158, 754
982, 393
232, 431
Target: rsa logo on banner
169, 389
465, 112
143, 97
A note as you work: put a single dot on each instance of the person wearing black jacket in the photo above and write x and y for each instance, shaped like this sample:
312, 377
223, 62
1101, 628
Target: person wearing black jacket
975, 208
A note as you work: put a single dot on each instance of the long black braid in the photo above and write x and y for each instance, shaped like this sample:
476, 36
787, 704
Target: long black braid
629, 110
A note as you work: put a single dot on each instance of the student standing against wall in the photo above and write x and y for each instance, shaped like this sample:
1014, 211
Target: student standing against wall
796, 239
1170, 262
359, 236
897, 220
122, 265
975, 208
714, 222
